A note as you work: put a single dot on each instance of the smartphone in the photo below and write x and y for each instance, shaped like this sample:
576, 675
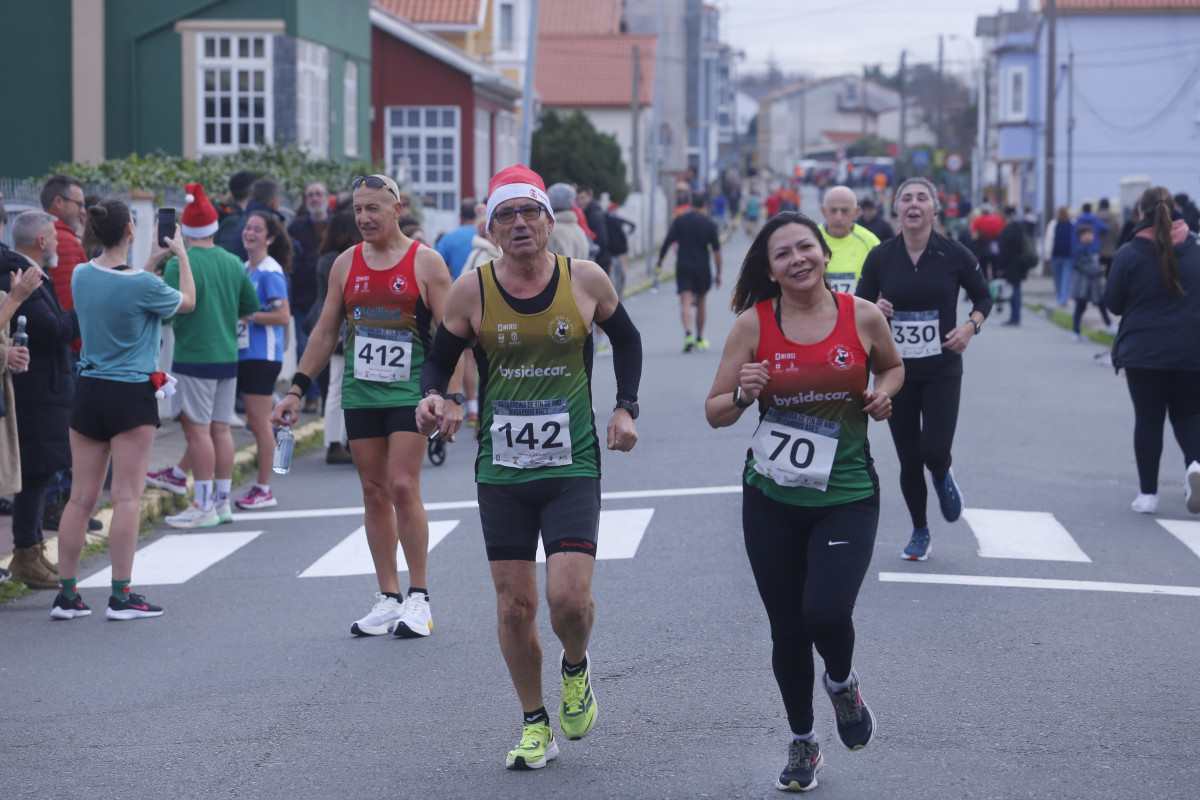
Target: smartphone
166, 225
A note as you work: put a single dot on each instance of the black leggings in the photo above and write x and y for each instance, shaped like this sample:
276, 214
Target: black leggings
1157, 393
1081, 306
27, 509
809, 563
924, 416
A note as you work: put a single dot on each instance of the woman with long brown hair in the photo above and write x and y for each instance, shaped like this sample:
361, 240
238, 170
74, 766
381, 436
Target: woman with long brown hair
1154, 285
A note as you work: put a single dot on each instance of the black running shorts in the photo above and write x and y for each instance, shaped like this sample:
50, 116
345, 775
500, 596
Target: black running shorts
379, 423
566, 511
103, 408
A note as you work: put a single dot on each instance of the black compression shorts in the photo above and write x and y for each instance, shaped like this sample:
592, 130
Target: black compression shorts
565, 510
379, 423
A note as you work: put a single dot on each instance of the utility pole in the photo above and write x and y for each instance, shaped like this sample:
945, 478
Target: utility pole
1070, 122
1051, 21
655, 176
941, 90
527, 92
864, 102
636, 179
902, 150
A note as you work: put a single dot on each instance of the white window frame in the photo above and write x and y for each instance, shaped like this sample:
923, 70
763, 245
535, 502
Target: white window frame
510, 47
400, 136
227, 58
1012, 76
312, 98
505, 149
350, 108
483, 152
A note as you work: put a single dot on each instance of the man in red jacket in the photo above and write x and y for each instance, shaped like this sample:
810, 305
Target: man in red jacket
62, 198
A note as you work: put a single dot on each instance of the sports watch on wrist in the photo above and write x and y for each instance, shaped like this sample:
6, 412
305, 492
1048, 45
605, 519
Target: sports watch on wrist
976, 324
457, 397
737, 399
629, 406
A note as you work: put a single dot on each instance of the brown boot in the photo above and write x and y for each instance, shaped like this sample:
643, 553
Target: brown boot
28, 568
40, 547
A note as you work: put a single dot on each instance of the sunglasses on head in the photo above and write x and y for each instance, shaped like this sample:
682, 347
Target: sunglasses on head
509, 215
372, 182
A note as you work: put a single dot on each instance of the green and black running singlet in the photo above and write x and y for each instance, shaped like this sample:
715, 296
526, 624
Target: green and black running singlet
387, 336
535, 393
810, 448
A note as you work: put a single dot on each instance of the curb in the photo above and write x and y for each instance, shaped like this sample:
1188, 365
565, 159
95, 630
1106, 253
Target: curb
1066, 321
158, 503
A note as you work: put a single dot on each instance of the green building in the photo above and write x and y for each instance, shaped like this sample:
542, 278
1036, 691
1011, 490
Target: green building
89, 80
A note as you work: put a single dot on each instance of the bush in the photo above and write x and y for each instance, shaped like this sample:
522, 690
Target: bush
159, 172
571, 150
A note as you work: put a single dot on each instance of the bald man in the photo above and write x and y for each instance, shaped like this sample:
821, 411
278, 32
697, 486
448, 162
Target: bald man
849, 241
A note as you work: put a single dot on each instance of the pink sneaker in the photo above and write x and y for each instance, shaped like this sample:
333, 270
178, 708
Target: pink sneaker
165, 479
256, 498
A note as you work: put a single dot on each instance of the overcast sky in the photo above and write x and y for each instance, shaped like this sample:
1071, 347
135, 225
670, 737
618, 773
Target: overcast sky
828, 37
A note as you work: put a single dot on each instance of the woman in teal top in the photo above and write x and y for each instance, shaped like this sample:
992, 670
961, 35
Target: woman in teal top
115, 412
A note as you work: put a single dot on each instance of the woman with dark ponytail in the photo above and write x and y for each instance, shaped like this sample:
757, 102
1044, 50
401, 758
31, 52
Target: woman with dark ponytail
1154, 285
115, 411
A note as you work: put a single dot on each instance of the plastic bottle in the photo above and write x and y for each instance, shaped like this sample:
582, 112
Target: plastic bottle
20, 339
284, 440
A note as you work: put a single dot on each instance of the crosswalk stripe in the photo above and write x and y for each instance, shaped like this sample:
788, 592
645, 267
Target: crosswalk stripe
1186, 531
1037, 583
352, 555
1035, 535
620, 533
176, 558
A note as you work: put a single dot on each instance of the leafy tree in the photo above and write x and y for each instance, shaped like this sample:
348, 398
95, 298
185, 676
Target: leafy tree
571, 150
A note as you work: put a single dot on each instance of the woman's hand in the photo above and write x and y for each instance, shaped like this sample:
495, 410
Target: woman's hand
878, 404
753, 378
18, 358
885, 306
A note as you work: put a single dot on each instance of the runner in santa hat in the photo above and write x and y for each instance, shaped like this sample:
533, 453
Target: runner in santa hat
531, 314
206, 366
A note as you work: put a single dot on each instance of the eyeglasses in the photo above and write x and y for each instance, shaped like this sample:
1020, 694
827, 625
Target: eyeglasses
509, 215
72, 200
373, 182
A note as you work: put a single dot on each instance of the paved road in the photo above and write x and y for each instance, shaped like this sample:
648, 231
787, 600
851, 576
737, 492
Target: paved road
1071, 678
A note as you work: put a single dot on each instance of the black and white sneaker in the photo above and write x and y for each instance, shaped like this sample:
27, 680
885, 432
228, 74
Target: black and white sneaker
69, 609
804, 762
855, 722
134, 606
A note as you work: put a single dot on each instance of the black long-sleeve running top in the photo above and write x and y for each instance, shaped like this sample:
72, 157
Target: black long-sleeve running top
931, 285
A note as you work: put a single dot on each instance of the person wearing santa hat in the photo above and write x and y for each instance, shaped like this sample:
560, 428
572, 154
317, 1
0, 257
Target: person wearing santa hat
390, 291
206, 366
532, 314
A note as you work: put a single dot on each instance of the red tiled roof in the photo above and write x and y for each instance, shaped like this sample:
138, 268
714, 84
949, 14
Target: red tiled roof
1126, 6
594, 71
579, 16
434, 12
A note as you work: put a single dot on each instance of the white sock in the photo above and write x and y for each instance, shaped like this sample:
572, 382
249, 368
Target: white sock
811, 736
837, 687
472, 406
176, 472
264, 488
204, 494
224, 489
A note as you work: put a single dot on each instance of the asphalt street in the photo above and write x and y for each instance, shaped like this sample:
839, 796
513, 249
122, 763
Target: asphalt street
1026, 670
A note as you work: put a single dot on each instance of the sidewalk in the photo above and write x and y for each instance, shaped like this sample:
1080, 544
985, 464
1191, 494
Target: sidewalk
1038, 292
169, 446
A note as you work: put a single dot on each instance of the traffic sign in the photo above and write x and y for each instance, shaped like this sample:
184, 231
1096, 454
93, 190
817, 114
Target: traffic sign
920, 158
954, 162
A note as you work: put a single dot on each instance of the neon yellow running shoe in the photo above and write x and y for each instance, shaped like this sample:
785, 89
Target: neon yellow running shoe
689, 342
577, 712
702, 344
536, 748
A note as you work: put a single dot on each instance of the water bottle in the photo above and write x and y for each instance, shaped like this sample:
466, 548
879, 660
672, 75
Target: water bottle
284, 440
20, 339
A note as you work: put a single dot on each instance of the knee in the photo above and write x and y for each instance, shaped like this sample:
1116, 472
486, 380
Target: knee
405, 490
571, 607
375, 494
828, 624
516, 611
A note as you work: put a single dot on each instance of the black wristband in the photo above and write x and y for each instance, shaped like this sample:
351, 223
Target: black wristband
303, 381
296, 395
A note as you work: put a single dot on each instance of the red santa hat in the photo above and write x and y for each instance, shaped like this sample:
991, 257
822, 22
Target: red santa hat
199, 220
517, 181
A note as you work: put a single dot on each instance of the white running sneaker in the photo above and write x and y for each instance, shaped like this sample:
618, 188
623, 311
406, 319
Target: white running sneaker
1145, 503
415, 618
1192, 487
194, 517
225, 513
381, 619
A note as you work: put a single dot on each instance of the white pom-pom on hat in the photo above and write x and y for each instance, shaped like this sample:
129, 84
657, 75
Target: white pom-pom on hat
191, 198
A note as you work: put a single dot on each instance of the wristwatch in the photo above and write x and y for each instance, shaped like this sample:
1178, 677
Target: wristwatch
976, 324
737, 399
457, 397
631, 407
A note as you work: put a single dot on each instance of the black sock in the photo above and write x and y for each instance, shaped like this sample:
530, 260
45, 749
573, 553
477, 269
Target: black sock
412, 589
530, 717
395, 596
574, 669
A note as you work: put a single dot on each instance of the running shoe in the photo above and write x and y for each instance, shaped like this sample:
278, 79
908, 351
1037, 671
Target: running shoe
1192, 487
165, 479
577, 712
536, 748
855, 722
134, 606
1145, 503
689, 342
382, 618
949, 497
69, 609
472, 420
702, 344
256, 498
918, 546
4, 574
415, 618
804, 762
603, 350
195, 517
225, 513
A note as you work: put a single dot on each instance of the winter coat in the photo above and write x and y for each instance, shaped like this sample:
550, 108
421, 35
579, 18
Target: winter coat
10, 454
70, 255
568, 238
1008, 261
1086, 283
44, 392
482, 251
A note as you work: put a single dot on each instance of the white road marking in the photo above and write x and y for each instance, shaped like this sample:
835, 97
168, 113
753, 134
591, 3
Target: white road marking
351, 511
1185, 531
352, 555
1035, 535
620, 533
1037, 583
176, 558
